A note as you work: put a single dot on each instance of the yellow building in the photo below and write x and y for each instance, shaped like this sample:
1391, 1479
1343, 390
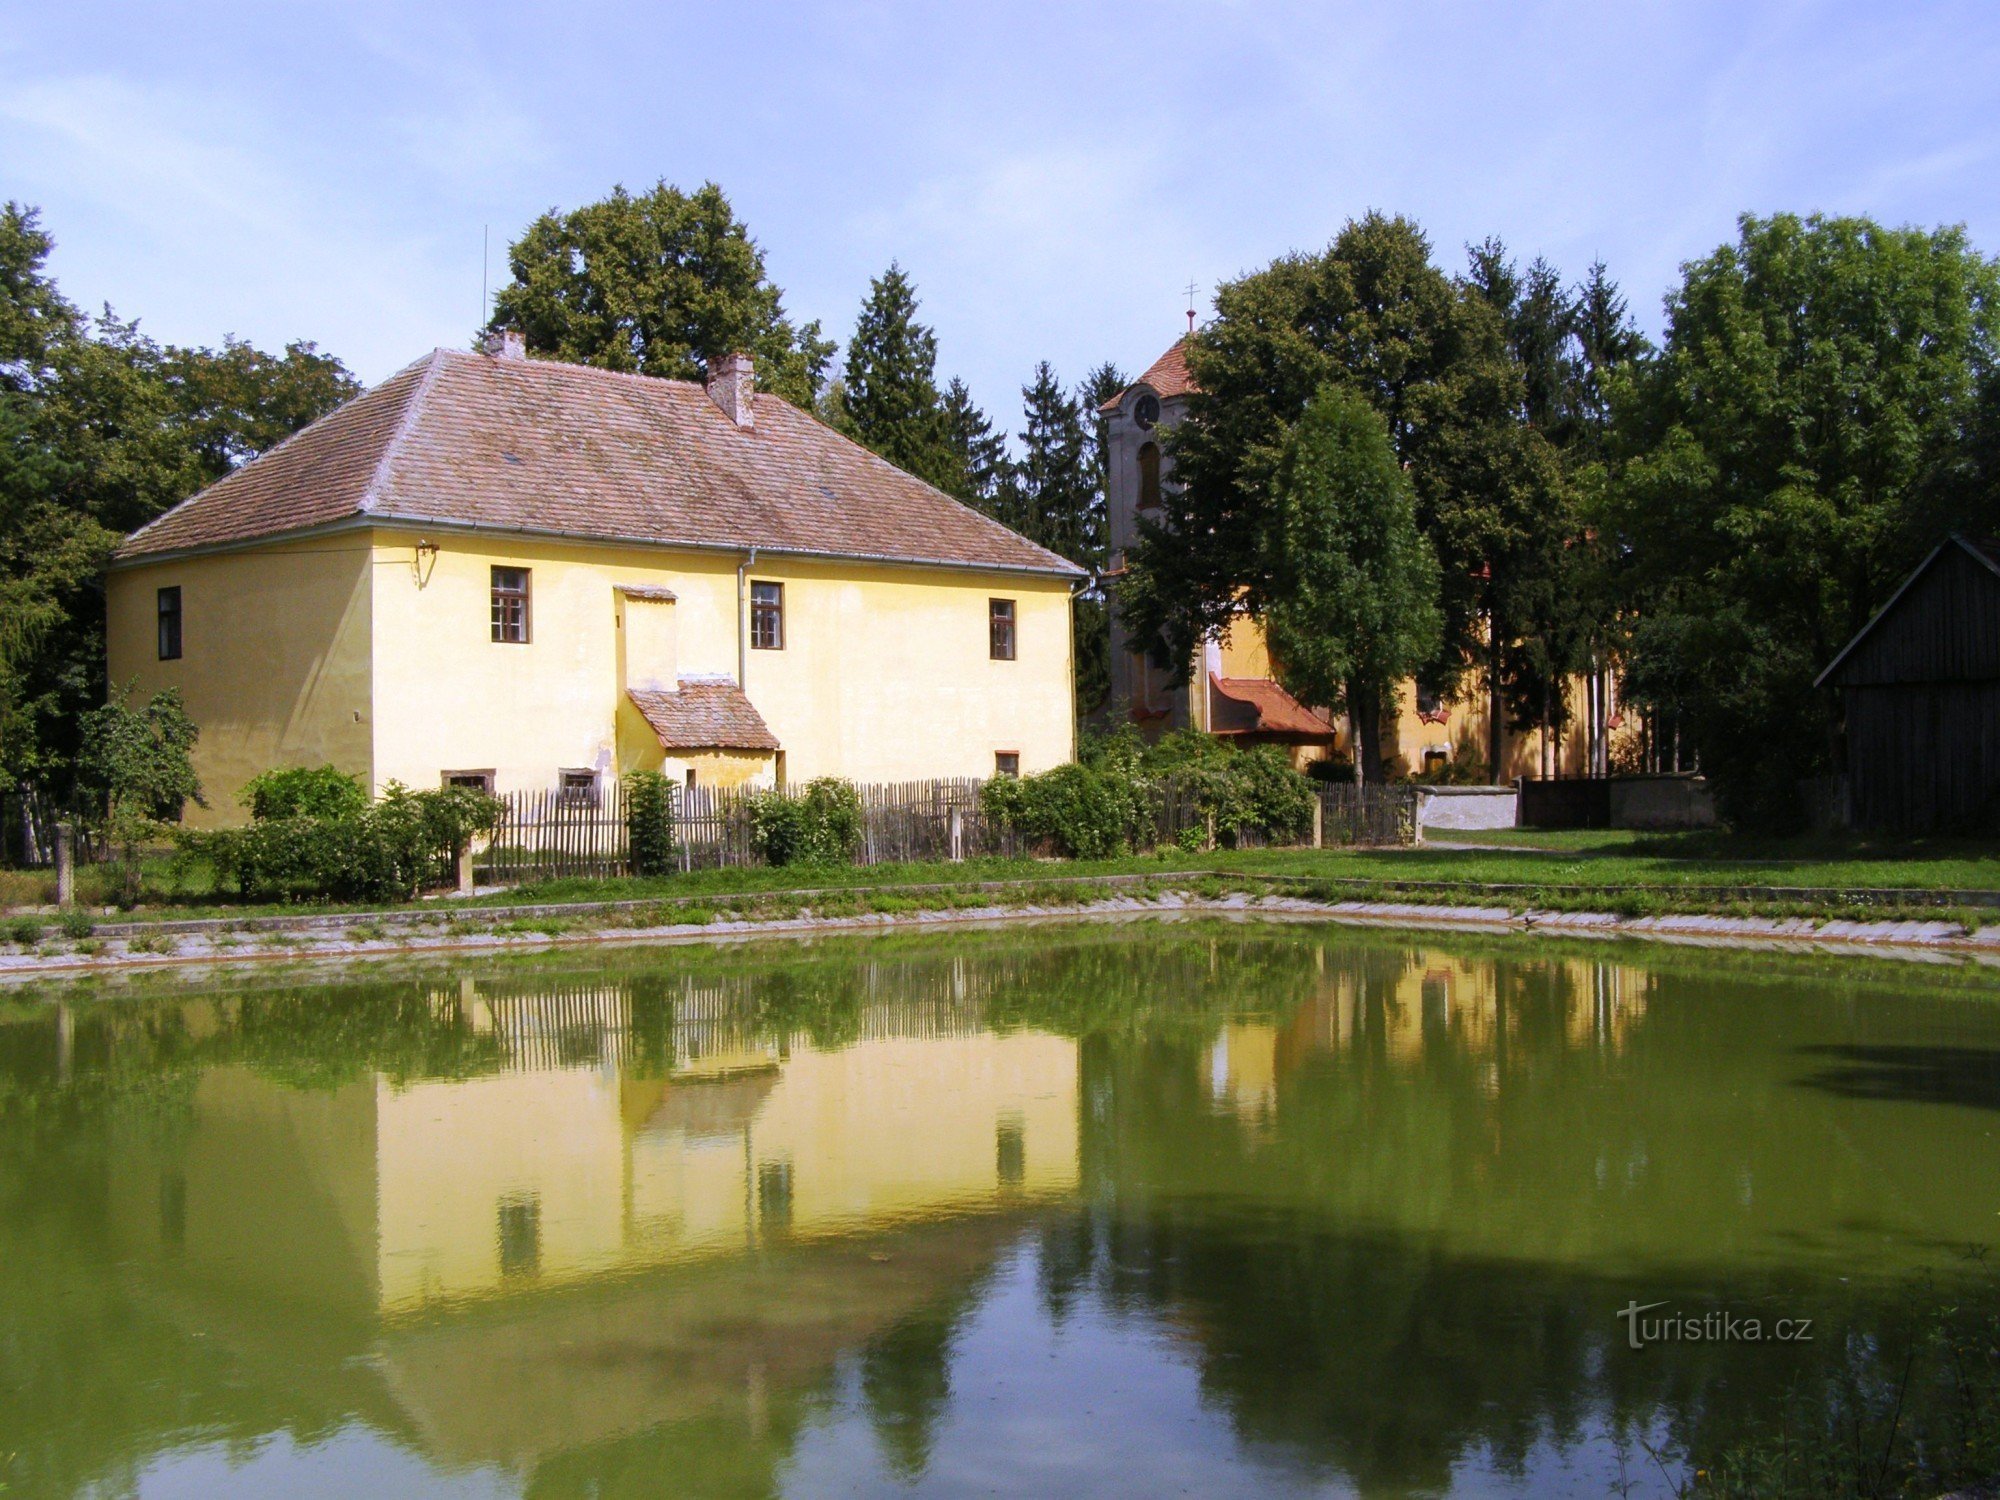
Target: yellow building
1232, 690
524, 574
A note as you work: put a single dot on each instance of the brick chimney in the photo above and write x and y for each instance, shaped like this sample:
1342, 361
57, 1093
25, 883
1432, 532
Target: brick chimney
732, 382
504, 343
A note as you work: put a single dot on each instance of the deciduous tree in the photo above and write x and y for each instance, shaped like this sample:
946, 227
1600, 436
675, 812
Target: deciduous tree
1800, 443
659, 283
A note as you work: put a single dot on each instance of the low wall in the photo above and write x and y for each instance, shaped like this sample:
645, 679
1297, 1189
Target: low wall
1662, 802
1466, 807
1618, 802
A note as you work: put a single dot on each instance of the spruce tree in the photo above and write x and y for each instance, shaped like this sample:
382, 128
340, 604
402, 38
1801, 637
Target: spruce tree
980, 467
892, 404
1056, 495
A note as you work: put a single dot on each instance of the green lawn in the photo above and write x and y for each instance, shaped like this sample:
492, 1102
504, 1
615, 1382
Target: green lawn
1566, 868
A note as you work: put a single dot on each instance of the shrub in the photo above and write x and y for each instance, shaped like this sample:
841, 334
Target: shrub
649, 822
1268, 795
1082, 811
25, 930
1113, 798
76, 923
820, 825
386, 851
304, 792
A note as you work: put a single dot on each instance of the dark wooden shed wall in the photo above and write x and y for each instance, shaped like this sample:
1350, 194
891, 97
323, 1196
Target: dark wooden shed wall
1922, 693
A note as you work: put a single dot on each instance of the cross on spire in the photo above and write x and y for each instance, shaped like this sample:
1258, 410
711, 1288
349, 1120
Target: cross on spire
1191, 290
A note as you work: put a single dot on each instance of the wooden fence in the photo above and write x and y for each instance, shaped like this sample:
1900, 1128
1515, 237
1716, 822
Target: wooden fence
1367, 815
559, 834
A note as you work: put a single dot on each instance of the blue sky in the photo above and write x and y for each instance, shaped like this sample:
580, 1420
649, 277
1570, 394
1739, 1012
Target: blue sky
1051, 175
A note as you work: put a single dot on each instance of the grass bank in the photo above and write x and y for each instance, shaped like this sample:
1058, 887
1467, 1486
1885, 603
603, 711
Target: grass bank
1621, 873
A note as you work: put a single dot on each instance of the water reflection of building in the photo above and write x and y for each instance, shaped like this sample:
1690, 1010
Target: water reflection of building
570, 1161
1424, 1003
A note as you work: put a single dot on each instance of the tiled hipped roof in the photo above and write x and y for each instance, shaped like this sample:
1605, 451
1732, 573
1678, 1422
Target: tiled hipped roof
533, 446
704, 716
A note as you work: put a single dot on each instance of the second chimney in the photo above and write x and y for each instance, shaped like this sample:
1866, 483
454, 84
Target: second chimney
504, 343
732, 383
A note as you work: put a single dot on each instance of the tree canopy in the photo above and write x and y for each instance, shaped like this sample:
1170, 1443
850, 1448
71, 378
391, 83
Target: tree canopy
1809, 431
658, 284
1355, 585
102, 429
1431, 355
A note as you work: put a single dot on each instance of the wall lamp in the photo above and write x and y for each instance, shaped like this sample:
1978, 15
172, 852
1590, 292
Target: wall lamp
426, 559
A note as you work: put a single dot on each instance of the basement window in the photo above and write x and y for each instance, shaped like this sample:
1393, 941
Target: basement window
1000, 629
510, 606
579, 788
477, 781
170, 623
1007, 763
767, 616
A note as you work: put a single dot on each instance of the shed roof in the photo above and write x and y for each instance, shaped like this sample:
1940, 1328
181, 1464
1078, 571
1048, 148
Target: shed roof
1276, 712
704, 715
1983, 560
532, 446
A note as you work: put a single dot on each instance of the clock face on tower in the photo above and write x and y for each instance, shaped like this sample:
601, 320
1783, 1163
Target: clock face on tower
1146, 412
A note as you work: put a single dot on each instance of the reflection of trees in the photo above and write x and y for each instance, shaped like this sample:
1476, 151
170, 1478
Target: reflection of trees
1414, 1258
906, 1380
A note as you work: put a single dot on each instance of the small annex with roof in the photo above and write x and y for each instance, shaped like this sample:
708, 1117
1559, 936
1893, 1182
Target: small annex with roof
1920, 694
516, 570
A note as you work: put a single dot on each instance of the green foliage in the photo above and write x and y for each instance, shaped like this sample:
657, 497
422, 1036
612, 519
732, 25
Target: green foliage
387, 850
76, 924
889, 389
1485, 387
139, 764
304, 792
1110, 802
658, 284
25, 931
1800, 443
649, 822
101, 429
1371, 313
1083, 812
980, 465
818, 825
1355, 606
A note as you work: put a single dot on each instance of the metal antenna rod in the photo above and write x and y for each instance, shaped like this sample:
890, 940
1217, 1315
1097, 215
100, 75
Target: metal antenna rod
485, 298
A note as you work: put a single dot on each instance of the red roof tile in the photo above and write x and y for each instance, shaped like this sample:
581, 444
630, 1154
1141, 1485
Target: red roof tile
1167, 376
704, 715
536, 446
1273, 710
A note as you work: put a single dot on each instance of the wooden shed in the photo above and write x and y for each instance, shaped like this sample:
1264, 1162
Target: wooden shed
1921, 688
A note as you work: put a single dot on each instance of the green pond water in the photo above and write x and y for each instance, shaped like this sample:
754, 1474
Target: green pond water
1140, 1210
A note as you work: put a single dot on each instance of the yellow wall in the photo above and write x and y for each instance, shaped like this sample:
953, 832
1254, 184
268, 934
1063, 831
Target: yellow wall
274, 658
334, 651
885, 674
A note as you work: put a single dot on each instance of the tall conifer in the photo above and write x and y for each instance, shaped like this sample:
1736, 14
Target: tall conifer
891, 396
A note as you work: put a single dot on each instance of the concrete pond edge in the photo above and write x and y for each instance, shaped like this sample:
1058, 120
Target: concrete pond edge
1913, 940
